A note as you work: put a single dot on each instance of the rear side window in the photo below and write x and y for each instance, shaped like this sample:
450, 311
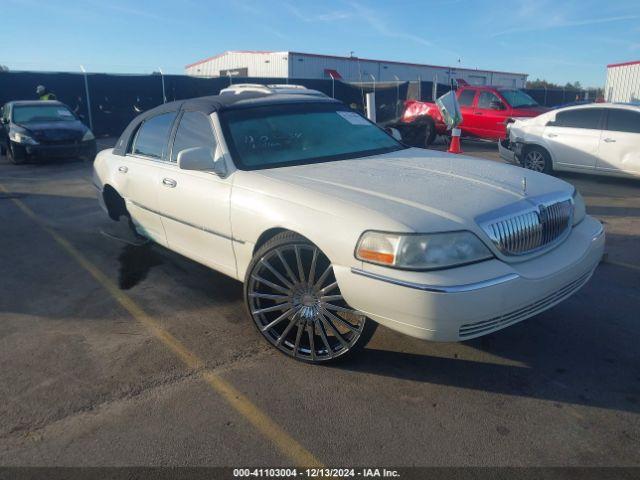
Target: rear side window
579, 118
623, 120
152, 138
466, 98
194, 131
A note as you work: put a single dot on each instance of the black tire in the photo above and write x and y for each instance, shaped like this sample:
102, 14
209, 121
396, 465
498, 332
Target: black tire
429, 131
14, 158
302, 314
537, 159
421, 133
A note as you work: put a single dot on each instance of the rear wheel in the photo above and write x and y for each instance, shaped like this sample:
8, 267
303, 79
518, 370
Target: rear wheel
537, 159
293, 297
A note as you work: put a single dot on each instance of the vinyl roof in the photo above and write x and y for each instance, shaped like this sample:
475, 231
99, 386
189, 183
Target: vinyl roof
216, 103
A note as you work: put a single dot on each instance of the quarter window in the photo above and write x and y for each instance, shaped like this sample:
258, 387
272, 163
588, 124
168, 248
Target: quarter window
578, 118
194, 131
466, 98
623, 121
152, 138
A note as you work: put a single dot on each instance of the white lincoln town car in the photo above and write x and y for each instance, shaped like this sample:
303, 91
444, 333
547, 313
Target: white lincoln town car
334, 226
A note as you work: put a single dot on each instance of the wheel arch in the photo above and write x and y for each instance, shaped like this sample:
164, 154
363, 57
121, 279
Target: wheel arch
115, 204
528, 145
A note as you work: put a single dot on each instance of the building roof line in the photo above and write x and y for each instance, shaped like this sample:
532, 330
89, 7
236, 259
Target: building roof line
318, 55
623, 64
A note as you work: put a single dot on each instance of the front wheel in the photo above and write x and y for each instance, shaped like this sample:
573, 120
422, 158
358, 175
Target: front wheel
293, 297
537, 159
15, 157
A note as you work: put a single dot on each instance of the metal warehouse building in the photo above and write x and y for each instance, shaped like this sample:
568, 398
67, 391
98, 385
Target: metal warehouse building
623, 82
350, 69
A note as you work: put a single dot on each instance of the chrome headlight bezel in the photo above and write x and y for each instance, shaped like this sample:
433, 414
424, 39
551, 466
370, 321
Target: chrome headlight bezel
394, 249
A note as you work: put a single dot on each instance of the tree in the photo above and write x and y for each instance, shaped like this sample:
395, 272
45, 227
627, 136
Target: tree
4, 68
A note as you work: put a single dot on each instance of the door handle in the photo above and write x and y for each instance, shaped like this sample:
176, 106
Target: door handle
123, 169
552, 135
169, 182
610, 140
479, 113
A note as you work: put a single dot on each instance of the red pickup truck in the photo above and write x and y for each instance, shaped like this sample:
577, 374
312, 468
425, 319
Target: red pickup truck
485, 111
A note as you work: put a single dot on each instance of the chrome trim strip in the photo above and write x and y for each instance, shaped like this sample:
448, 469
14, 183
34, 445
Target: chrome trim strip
204, 229
469, 287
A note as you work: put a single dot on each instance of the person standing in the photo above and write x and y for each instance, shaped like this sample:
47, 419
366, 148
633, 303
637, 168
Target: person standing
44, 94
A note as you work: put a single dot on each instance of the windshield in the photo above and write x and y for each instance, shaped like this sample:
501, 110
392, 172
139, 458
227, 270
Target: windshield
518, 99
283, 135
42, 113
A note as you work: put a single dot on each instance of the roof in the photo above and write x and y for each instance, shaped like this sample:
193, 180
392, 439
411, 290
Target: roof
622, 106
338, 57
623, 64
216, 103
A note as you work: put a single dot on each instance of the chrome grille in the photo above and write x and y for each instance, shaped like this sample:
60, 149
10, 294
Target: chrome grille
531, 230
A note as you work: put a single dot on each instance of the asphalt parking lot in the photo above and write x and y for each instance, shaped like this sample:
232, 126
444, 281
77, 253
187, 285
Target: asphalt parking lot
114, 354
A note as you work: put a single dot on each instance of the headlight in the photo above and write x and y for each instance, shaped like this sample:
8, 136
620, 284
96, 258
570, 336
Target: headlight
421, 251
19, 137
579, 209
88, 136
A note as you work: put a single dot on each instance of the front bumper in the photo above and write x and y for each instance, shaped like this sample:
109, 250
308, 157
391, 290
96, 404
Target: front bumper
473, 300
509, 151
63, 150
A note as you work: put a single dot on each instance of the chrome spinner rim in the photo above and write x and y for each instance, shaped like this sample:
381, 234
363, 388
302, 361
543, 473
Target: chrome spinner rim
296, 303
534, 160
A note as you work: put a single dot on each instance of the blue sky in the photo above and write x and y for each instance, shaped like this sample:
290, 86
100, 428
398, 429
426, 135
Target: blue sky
557, 40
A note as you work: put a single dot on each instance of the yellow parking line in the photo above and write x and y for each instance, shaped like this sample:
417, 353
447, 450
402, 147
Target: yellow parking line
259, 419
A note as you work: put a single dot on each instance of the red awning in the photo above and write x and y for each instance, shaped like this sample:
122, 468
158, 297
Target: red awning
332, 73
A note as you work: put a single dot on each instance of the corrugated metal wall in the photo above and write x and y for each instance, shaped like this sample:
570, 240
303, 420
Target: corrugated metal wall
258, 64
623, 83
300, 65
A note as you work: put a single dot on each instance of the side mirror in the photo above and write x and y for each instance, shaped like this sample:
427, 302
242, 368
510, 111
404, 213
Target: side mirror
201, 159
497, 105
395, 133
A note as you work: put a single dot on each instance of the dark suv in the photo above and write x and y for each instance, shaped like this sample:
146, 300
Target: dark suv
43, 129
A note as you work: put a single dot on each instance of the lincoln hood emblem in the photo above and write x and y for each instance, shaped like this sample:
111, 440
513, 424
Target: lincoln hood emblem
524, 185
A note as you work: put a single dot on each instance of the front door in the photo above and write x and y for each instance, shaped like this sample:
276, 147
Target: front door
194, 205
620, 141
574, 137
490, 114
466, 98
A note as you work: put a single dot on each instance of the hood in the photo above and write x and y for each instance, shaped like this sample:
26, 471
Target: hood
55, 131
425, 190
529, 111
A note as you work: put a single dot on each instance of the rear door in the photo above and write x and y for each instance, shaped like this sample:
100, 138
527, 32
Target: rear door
620, 141
573, 137
194, 205
142, 168
490, 114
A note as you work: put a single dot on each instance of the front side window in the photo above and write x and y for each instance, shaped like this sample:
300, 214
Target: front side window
579, 118
466, 98
621, 120
24, 114
152, 138
194, 131
518, 99
486, 99
282, 135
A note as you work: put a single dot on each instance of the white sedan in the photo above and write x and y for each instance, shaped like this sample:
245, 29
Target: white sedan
334, 226
599, 138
